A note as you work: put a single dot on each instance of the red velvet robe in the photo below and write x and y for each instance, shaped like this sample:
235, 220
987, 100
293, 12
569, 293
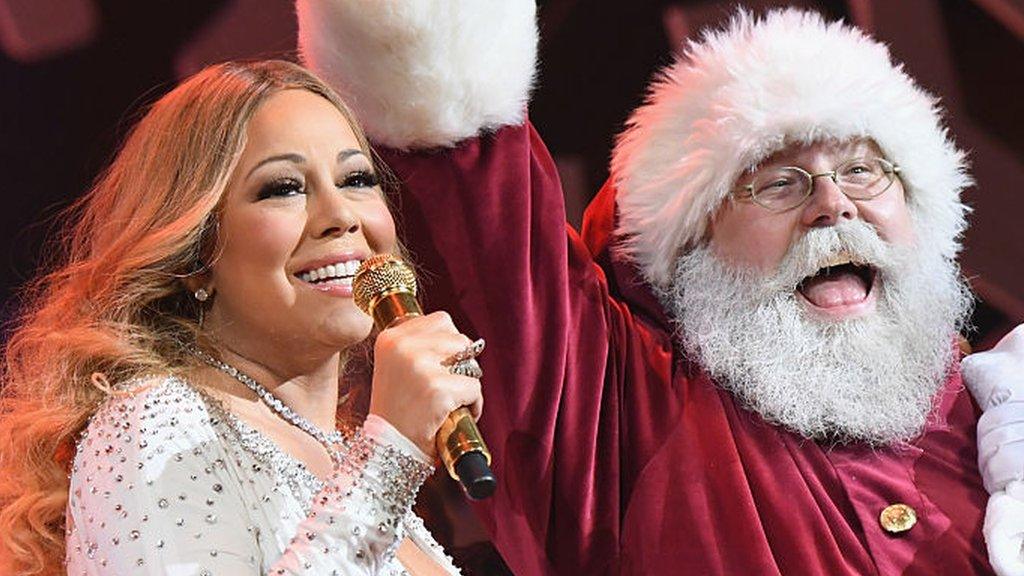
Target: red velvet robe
613, 452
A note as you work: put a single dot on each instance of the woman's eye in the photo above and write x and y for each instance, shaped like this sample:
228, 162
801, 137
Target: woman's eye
281, 189
360, 179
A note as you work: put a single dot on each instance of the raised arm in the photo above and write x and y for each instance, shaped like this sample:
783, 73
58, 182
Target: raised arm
445, 91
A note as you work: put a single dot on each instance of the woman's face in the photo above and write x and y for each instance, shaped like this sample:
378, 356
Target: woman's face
301, 210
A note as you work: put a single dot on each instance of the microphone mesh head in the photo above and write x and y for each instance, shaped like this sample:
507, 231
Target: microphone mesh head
379, 275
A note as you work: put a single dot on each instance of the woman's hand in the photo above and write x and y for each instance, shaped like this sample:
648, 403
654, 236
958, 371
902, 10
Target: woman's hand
412, 389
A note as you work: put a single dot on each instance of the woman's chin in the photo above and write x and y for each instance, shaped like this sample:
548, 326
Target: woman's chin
343, 329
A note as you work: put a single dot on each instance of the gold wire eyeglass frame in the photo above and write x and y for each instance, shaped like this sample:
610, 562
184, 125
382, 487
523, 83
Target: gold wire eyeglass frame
746, 192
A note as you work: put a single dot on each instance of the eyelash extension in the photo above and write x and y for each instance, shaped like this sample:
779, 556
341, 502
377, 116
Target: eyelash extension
361, 179
289, 186
280, 187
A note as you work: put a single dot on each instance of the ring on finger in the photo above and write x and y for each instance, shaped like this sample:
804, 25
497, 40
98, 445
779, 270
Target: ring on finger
467, 353
468, 367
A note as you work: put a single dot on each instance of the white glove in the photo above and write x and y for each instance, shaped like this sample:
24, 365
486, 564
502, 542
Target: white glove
996, 379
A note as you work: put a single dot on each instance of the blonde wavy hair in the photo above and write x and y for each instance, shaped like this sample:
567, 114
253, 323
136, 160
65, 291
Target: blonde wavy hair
114, 304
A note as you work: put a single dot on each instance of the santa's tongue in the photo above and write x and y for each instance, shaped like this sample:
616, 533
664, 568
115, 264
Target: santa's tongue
841, 287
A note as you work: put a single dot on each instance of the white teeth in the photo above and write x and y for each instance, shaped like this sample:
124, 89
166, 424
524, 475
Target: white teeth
838, 260
339, 273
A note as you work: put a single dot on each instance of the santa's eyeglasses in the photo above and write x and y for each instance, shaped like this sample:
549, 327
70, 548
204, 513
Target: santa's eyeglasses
785, 188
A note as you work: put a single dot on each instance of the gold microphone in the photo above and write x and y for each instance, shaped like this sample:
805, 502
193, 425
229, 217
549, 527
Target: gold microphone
385, 288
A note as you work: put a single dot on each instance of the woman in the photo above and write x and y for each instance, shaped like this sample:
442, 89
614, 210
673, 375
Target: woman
195, 332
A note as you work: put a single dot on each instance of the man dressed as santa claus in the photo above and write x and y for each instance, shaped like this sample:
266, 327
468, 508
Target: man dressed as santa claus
746, 364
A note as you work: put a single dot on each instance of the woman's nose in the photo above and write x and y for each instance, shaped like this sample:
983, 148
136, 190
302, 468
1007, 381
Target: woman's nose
332, 214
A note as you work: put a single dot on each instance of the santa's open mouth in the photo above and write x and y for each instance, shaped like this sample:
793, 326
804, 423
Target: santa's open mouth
842, 287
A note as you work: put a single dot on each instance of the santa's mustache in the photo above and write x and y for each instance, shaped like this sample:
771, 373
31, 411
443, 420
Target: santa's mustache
852, 242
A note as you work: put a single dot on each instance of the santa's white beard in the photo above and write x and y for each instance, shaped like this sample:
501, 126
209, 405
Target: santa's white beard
871, 379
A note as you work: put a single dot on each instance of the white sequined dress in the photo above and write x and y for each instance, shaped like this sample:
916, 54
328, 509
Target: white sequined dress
166, 481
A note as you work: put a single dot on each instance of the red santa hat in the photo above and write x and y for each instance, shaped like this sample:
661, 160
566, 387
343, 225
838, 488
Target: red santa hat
741, 94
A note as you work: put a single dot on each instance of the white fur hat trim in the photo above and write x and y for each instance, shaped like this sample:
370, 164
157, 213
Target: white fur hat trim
424, 74
740, 95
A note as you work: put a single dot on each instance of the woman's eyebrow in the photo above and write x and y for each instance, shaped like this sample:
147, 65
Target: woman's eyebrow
294, 158
346, 153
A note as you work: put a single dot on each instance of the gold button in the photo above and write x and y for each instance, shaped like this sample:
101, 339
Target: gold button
896, 518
